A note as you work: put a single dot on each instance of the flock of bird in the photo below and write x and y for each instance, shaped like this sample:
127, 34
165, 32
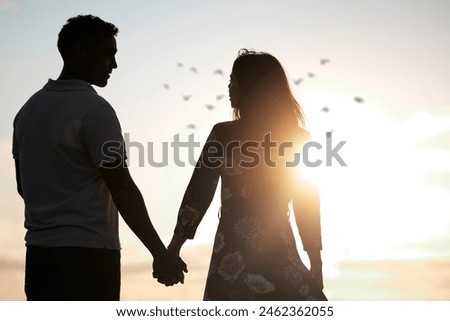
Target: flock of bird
219, 97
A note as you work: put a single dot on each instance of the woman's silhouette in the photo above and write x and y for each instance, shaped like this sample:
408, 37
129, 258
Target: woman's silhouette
255, 255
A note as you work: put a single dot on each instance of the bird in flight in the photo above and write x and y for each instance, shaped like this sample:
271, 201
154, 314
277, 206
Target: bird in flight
310, 75
166, 86
218, 72
298, 81
324, 61
325, 109
193, 69
209, 107
219, 97
191, 126
358, 99
186, 97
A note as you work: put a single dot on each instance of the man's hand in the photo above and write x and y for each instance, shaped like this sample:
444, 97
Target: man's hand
169, 269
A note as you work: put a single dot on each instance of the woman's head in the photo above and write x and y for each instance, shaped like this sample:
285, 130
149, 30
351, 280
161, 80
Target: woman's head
259, 90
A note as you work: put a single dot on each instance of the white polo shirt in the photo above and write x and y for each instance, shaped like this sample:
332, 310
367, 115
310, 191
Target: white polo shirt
58, 138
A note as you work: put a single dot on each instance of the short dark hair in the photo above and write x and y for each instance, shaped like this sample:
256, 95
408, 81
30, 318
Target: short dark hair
83, 29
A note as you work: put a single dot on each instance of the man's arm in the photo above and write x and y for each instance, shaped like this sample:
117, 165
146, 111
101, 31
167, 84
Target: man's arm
18, 182
130, 203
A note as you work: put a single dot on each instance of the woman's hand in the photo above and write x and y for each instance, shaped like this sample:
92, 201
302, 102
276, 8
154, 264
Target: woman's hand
169, 269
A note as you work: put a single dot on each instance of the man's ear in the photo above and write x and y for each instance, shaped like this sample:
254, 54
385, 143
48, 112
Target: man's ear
81, 52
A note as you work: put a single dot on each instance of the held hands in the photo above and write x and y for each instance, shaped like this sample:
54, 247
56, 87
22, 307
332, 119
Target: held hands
169, 269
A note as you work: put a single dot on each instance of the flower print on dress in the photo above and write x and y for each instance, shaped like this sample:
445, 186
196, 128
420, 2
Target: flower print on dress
292, 276
189, 216
246, 228
258, 283
250, 231
231, 266
254, 256
219, 242
226, 194
304, 290
232, 167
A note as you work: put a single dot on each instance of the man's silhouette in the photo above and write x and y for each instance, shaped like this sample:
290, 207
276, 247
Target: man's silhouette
71, 186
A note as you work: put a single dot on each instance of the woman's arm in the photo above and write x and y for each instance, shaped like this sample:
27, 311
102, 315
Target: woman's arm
199, 193
176, 243
306, 205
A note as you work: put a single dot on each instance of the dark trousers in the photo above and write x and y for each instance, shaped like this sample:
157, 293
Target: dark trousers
72, 274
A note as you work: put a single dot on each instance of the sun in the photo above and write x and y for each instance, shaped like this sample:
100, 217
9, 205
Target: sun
375, 206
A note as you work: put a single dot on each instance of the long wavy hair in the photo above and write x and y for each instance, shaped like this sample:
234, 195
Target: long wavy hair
266, 101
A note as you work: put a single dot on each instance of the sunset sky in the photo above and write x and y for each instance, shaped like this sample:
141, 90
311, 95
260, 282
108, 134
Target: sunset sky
390, 204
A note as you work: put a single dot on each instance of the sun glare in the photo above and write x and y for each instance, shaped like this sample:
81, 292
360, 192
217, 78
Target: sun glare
373, 207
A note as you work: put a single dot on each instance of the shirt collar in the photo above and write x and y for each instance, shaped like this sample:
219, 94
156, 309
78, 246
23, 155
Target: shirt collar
69, 85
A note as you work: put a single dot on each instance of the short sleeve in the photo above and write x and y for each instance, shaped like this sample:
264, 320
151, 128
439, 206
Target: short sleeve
101, 135
15, 146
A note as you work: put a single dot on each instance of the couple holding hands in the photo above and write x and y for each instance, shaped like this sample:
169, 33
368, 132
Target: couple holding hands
73, 191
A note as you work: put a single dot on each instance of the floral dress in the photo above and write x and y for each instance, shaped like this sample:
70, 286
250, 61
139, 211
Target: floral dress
254, 255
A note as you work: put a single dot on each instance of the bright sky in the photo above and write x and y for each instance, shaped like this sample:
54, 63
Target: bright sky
391, 201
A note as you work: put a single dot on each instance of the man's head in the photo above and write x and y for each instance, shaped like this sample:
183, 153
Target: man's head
87, 45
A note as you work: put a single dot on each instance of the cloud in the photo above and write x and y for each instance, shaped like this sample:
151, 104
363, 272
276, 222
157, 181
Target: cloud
7, 5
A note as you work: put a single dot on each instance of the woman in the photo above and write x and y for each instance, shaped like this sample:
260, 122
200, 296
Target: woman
254, 255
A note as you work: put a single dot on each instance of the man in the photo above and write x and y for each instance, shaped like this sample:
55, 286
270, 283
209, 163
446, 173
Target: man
72, 184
